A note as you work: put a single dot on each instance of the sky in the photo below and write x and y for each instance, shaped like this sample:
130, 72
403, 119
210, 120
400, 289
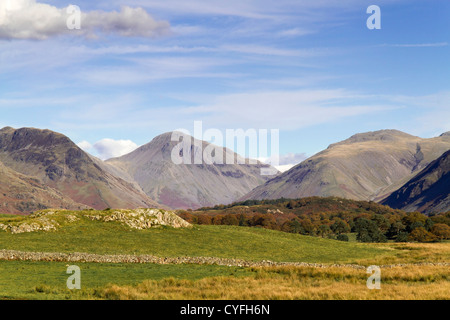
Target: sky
310, 68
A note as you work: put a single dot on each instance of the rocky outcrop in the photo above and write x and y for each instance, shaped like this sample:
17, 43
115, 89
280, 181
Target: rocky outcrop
143, 218
50, 220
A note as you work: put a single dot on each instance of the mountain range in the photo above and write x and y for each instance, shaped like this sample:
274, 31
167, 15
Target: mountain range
52, 171
367, 166
57, 163
44, 169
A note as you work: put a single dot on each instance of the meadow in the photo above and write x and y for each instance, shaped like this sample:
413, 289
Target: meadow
254, 244
413, 279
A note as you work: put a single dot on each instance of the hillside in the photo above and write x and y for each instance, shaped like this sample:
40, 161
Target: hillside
428, 191
20, 194
333, 218
367, 166
183, 186
56, 162
81, 232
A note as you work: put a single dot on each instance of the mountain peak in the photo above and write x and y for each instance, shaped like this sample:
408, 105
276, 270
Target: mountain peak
380, 135
366, 166
387, 134
7, 129
189, 185
19, 139
445, 134
58, 162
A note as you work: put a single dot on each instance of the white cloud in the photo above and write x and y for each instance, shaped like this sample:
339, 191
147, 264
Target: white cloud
29, 19
285, 167
292, 158
108, 148
84, 145
285, 161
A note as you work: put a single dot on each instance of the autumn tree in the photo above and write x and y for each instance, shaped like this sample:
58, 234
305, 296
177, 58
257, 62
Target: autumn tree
230, 220
382, 222
204, 219
441, 231
217, 220
414, 220
189, 217
420, 234
323, 230
340, 226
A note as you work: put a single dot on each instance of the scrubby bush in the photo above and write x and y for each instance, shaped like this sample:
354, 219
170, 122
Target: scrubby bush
342, 237
402, 237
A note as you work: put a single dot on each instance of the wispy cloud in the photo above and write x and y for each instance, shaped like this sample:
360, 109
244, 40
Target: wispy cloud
287, 110
432, 113
417, 45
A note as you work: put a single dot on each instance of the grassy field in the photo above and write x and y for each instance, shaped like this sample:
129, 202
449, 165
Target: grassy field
424, 283
47, 280
208, 241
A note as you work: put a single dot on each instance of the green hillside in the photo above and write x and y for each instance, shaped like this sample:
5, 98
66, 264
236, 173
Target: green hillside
91, 236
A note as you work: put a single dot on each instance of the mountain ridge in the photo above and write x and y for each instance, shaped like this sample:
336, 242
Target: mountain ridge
428, 191
366, 166
60, 164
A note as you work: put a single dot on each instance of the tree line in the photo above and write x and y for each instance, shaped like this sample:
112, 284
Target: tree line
332, 218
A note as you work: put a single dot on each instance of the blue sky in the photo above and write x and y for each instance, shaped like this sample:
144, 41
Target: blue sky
309, 68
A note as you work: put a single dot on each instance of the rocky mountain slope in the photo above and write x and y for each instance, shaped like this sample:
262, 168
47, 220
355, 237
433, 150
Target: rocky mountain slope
55, 162
428, 191
182, 186
367, 166
21, 194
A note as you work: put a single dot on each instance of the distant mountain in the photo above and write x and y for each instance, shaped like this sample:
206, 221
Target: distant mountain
367, 166
24, 194
182, 186
428, 191
56, 162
